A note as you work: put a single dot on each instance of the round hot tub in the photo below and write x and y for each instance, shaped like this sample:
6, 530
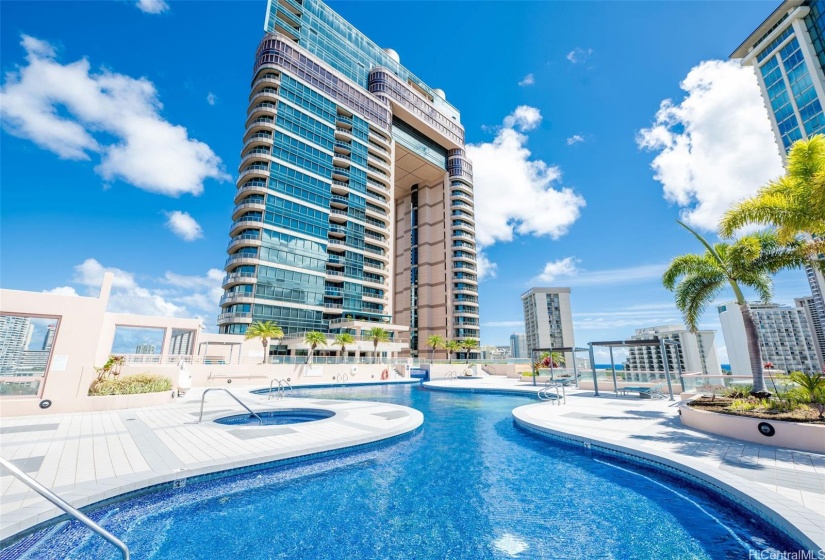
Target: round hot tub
277, 417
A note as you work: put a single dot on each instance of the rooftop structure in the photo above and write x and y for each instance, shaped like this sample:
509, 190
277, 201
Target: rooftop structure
695, 351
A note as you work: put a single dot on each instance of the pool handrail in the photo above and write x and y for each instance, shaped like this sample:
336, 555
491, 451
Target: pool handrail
203, 400
280, 391
65, 506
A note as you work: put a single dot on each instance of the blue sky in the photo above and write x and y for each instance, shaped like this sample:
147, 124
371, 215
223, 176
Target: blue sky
580, 186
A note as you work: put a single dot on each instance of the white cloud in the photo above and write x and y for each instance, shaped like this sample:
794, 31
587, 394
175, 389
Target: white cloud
716, 146
579, 55
172, 295
567, 271
562, 268
486, 268
211, 98
183, 225
66, 109
575, 139
62, 291
513, 193
524, 118
528, 80
152, 6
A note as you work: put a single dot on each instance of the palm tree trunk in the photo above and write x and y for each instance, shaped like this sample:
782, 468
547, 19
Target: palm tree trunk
265, 342
375, 352
754, 353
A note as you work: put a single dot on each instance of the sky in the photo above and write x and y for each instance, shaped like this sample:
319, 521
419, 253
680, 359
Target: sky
593, 127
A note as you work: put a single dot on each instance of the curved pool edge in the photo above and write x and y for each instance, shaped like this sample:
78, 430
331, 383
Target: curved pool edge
530, 392
152, 481
801, 524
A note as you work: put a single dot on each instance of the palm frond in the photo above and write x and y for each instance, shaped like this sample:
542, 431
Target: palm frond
694, 294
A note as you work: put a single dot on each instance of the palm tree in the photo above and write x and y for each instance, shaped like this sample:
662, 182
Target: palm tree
342, 340
435, 341
557, 359
452, 347
468, 344
377, 334
749, 261
314, 339
794, 204
265, 330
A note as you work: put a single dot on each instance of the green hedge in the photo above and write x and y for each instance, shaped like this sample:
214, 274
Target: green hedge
130, 385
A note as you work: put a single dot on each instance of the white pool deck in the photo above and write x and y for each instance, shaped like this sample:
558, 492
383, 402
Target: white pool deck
789, 482
88, 457
93, 456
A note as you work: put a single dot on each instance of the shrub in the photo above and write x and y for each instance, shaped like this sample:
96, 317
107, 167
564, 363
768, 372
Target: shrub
738, 391
130, 385
743, 405
780, 405
810, 389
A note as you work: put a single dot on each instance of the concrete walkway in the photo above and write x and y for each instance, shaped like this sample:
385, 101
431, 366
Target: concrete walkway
788, 485
88, 457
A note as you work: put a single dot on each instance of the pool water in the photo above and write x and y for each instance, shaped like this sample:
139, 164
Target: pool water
470, 485
276, 417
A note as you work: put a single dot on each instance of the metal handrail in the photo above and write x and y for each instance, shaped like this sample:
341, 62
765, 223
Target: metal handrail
65, 506
280, 391
203, 400
342, 377
450, 375
545, 393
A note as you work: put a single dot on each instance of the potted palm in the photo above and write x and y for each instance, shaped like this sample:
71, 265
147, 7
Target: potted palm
314, 339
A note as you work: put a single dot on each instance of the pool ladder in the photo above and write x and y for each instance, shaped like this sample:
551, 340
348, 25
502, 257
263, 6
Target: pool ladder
450, 375
283, 385
546, 393
203, 400
65, 506
341, 377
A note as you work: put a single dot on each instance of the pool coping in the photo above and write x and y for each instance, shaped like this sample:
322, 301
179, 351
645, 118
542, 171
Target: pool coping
784, 514
97, 495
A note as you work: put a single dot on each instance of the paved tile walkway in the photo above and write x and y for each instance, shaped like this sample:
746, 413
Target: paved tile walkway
791, 481
88, 457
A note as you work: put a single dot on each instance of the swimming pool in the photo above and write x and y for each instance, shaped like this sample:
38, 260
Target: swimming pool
470, 485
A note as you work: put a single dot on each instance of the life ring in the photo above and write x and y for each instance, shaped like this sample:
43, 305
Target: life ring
385, 374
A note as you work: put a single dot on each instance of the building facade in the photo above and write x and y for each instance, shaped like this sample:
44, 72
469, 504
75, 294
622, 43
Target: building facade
15, 335
354, 204
518, 346
785, 337
807, 305
787, 53
696, 352
548, 319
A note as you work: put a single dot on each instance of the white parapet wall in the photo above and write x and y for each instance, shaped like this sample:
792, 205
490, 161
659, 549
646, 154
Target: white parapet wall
788, 435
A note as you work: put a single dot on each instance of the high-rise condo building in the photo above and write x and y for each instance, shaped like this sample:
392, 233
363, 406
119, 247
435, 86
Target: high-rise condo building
354, 204
548, 319
518, 345
15, 335
696, 351
785, 337
787, 53
806, 304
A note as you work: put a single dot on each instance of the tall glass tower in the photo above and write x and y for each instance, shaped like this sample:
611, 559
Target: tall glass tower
788, 53
354, 202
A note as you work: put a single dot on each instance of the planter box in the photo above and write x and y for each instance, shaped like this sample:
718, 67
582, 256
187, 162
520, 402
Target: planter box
790, 435
117, 402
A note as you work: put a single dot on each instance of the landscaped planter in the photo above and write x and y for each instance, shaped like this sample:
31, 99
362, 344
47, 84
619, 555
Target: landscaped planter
117, 402
792, 435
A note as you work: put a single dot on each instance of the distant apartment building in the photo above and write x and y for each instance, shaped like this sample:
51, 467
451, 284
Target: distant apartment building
518, 346
785, 337
354, 205
548, 319
807, 304
145, 348
696, 352
15, 335
490, 352
787, 52
48, 339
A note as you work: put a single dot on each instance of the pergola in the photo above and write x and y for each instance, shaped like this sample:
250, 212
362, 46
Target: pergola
562, 349
655, 341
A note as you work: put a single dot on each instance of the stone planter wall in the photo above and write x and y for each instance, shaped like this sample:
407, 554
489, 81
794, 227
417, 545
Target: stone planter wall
791, 435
